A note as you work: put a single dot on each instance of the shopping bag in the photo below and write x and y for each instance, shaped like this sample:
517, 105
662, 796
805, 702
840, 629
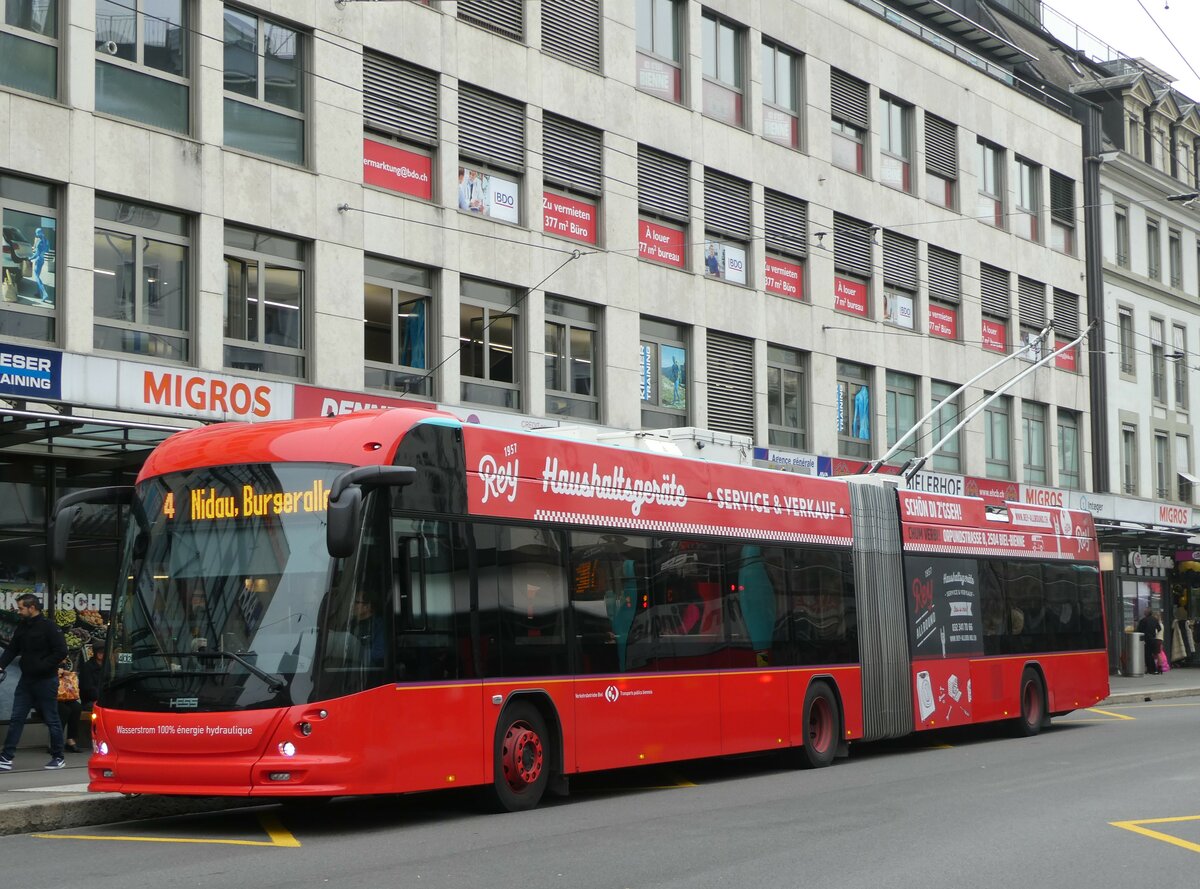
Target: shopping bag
68, 685
1162, 661
10, 288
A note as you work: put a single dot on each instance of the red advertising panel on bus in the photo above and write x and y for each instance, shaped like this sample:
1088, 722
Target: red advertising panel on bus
538, 478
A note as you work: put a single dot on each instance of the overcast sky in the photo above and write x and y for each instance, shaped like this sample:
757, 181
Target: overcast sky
1130, 30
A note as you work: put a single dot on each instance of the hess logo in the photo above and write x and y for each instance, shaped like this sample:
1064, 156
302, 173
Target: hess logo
184, 703
611, 694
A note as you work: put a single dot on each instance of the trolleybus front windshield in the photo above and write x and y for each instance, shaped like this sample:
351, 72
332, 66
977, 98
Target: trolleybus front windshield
226, 571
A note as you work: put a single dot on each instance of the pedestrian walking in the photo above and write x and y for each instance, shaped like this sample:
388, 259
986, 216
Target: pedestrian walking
40, 646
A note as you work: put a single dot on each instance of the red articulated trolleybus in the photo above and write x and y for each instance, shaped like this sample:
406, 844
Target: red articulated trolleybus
393, 601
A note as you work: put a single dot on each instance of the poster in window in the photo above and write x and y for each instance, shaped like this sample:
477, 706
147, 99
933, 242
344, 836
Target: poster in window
672, 372
860, 417
784, 278
725, 261
944, 607
850, 296
30, 260
488, 195
994, 336
943, 321
1068, 360
898, 308
647, 372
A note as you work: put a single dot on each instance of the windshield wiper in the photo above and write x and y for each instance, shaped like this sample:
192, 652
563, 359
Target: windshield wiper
274, 681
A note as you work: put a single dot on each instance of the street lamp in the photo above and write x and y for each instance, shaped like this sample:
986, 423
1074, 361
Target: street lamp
1186, 198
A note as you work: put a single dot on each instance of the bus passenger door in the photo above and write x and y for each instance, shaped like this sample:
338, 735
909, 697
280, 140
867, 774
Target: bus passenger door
440, 724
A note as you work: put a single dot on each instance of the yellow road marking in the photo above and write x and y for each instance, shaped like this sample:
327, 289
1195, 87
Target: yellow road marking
1136, 827
280, 836
1109, 713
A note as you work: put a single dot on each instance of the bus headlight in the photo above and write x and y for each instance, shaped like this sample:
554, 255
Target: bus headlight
287, 748
102, 748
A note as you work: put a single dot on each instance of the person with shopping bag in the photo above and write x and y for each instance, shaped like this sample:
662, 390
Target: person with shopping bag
69, 706
40, 645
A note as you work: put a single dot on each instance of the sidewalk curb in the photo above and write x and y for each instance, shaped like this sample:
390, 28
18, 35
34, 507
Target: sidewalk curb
1149, 694
83, 809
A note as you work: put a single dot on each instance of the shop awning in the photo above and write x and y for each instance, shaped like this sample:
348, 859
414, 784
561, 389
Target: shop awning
1189, 478
112, 441
1127, 535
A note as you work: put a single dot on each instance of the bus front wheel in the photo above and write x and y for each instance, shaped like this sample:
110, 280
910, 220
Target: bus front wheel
522, 758
822, 727
1033, 704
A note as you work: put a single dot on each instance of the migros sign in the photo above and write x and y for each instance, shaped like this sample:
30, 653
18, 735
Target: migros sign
198, 394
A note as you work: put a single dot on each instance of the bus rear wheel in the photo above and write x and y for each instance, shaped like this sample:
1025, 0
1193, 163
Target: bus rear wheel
522, 758
822, 727
1033, 704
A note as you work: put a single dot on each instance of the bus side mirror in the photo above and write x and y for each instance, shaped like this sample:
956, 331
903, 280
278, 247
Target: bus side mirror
344, 512
60, 534
66, 510
341, 532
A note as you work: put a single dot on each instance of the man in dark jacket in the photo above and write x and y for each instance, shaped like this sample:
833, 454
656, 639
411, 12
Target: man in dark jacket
1149, 627
40, 646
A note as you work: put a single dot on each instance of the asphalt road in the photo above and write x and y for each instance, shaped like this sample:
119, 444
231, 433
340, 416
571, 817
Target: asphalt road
968, 809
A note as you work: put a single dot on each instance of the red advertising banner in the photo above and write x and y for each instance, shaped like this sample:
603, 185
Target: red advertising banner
1068, 360
995, 492
784, 278
934, 523
850, 296
660, 243
994, 336
541, 478
395, 169
568, 217
313, 401
943, 322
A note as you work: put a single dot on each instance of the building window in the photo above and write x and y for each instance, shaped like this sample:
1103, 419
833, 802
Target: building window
1134, 139
1033, 437
1031, 313
660, 48
990, 207
29, 46
1179, 358
787, 398
726, 227
996, 298
1129, 459
786, 238
572, 359
1068, 450
30, 259
947, 458
1162, 466
573, 166
1066, 328
489, 344
724, 71
945, 292
266, 303
664, 374
491, 144
850, 121
1153, 250
730, 375
664, 207
854, 410
1125, 339
1121, 232
142, 62
998, 438
852, 265
1158, 362
901, 413
264, 86
1029, 200
141, 280
895, 123
397, 313
503, 17
400, 117
571, 31
1183, 468
781, 95
1062, 213
1175, 257
941, 162
899, 280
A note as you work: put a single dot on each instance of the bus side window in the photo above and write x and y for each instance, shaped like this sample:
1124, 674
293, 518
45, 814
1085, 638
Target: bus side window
429, 629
